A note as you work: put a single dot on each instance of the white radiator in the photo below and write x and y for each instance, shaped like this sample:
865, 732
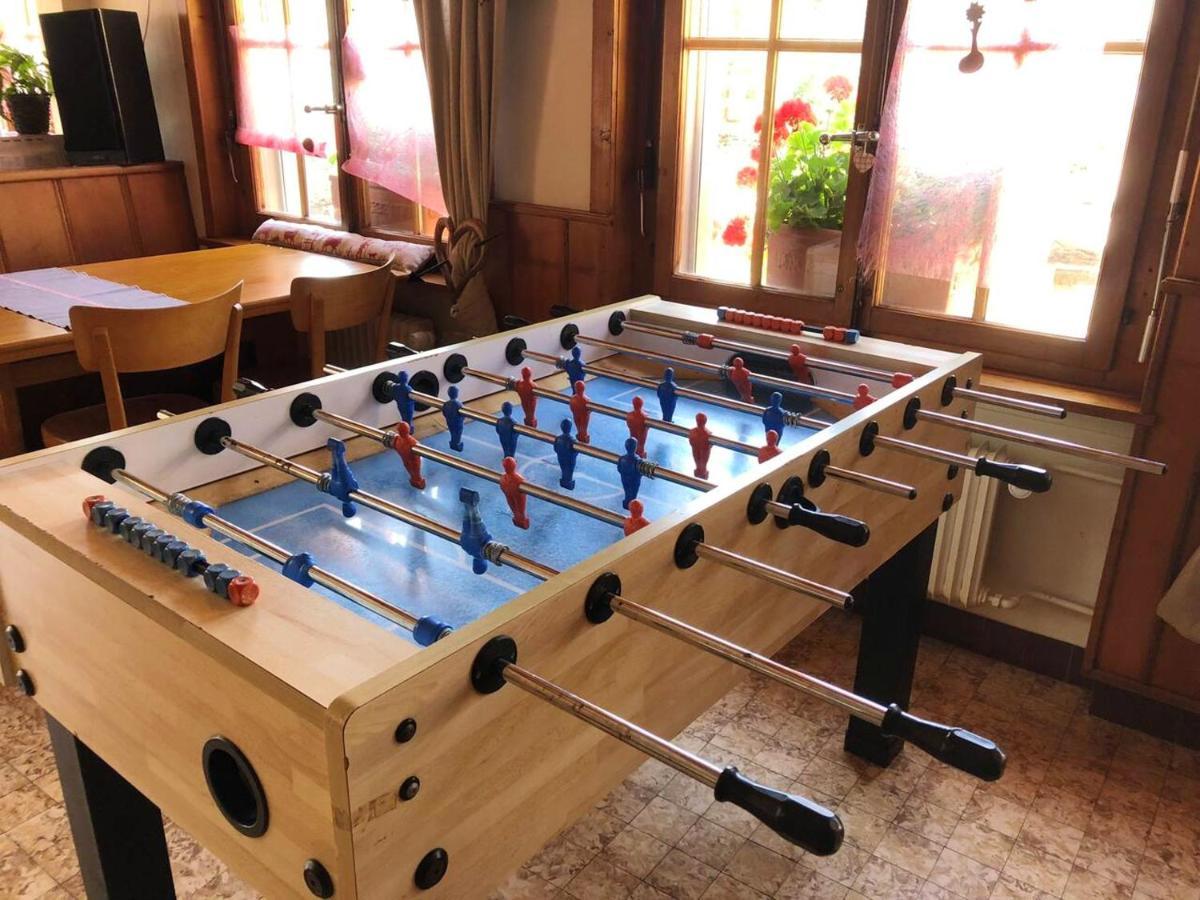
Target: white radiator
962, 538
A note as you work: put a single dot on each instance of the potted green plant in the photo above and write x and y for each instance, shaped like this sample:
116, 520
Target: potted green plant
25, 90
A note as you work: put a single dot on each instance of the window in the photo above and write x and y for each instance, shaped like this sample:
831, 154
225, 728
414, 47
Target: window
335, 114
766, 208
1002, 182
19, 28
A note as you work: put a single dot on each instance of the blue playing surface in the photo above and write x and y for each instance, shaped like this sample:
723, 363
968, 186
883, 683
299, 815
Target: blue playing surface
430, 576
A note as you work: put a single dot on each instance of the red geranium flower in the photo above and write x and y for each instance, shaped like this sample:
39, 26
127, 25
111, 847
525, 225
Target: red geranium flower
754, 153
792, 112
838, 87
747, 176
735, 232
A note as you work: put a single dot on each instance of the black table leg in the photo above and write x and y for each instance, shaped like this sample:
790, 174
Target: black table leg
118, 833
892, 606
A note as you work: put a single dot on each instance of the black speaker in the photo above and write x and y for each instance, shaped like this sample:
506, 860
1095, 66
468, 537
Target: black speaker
103, 88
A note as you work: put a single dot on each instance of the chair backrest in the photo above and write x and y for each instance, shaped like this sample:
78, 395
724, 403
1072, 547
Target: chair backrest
460, 249
112, 341
320, 305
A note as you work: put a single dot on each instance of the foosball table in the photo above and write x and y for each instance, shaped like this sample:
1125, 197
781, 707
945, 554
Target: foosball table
387, 632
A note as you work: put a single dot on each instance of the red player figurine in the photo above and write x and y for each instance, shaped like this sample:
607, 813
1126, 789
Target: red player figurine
863, 398
580, 412
636, 420
510, 483
525, 390
701, 440
405, 444
635, 520
771, 449
739, 376
799, 364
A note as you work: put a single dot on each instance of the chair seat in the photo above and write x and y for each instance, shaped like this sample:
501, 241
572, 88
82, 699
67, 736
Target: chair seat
92, 420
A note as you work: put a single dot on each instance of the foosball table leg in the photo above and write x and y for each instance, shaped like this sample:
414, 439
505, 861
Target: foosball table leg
118, 833
892, 610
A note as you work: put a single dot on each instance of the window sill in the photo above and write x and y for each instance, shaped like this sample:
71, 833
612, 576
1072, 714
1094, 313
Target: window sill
1085, 401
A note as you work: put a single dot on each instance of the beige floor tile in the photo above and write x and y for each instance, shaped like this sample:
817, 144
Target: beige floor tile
909, 851
1111, 861
1055, 838
47, 839
995, 812
681, 877
881, 880
22, 804
762, 869
710, 843
980, 843
559, 861
932, 822
601, 880
1045, 872
842, 867
726, 887
807, 884
20, 877
963, 876
664, 820
1085, 885
635, 851
524, 885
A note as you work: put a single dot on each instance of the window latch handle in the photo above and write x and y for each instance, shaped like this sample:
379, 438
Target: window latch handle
853, 137
331, 108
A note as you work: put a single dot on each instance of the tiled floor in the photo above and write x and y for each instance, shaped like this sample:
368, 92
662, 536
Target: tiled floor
1086, 809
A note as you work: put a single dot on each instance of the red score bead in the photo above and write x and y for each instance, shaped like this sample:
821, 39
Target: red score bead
243, 591
89, 502
900, 379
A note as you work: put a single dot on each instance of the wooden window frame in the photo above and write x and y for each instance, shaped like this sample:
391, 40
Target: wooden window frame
877, 41
1027, 352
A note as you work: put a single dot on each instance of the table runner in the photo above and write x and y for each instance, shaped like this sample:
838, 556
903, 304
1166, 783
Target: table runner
48, 294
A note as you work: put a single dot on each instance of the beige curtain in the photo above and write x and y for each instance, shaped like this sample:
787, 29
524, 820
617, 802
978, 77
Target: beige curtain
457, 40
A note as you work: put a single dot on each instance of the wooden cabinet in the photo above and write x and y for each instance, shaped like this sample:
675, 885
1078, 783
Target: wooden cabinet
72, 216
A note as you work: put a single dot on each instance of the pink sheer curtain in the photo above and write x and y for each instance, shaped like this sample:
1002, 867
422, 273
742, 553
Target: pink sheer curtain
962, 154
388, 111
279, 69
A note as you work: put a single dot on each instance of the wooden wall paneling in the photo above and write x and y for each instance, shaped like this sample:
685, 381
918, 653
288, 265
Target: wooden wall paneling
589, 264
99, 218
32, 226
538, 244
605, 95
162, 212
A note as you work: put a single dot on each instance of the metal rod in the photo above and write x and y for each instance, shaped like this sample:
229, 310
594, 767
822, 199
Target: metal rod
775, 576
625, 731
1030, 406
331, 369
946, 456
462, 465
1050, 443
506, 556
278, 554
874, 482
853, 703
611, 411
828, 365
783, 384
651, 470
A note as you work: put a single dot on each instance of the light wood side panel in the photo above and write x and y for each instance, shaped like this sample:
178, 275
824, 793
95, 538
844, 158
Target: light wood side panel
32, 226
146, 701
99, 219
501, 774
162, 213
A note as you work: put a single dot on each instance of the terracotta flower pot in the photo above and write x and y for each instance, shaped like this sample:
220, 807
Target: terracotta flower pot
804, 260
29, 113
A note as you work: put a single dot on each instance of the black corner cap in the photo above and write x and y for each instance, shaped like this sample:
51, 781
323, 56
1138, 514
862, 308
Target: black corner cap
616, 323
453, 369
514, 351
209, 434
948, 387
956, 747
101, 461
425, 382
397, 350
947, 501
487, 671
866, 440
597, 605
509, 322
756, 507
558, 310
800, 821
381, 387
1029, 478
910, 413
685, 547
431, 869
816, 468
303, 409
566, 337
317, 879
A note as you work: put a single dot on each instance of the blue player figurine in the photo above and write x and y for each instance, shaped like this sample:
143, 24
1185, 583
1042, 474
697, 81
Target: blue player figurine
402, 394
666, 394
452, 413
506, 428
774, 416
475, 535
573, 365
339, 481
630, 471
564, 449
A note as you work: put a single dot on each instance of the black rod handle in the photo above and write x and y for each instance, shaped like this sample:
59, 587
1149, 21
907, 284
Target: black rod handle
956, 747
1030, 478
797, 819
842, 529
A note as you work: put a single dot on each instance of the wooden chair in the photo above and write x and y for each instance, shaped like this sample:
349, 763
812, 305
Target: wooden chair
322, 305
113, 341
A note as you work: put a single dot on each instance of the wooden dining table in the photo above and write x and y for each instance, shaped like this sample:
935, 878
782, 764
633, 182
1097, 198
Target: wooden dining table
34, 352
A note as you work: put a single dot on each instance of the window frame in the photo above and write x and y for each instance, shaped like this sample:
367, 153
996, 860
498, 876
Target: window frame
670, 225
1028, 352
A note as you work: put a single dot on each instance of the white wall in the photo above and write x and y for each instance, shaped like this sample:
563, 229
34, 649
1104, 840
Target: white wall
544, 103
